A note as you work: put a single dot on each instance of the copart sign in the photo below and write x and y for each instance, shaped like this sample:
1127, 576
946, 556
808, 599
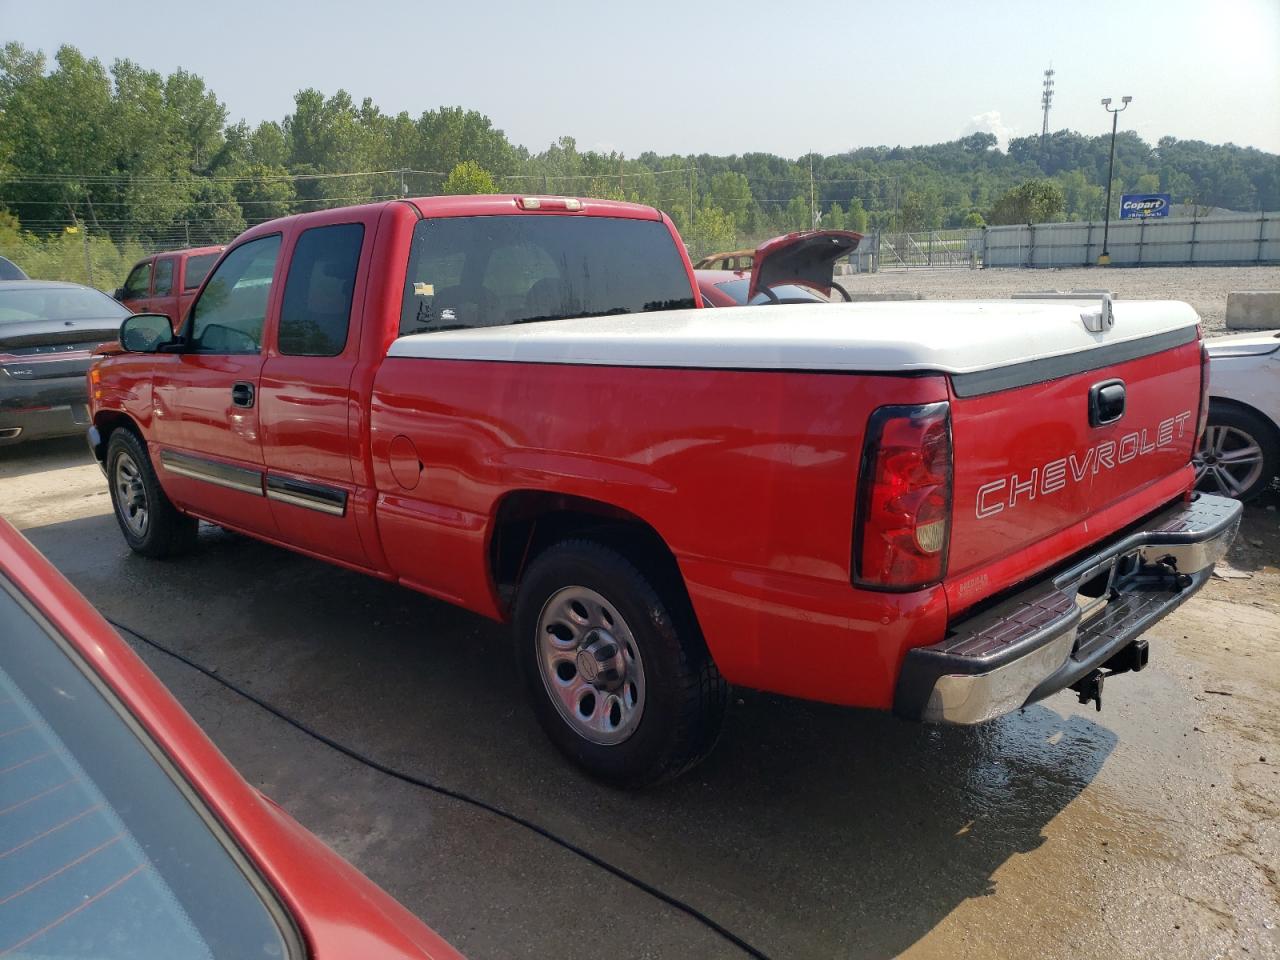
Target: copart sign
1141, 206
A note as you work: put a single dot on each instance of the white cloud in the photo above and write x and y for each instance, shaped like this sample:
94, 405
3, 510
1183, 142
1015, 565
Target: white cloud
991, 122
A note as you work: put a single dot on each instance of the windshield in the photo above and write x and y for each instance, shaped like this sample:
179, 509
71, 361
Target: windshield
782, 291
103, 854
58, 303
492, 271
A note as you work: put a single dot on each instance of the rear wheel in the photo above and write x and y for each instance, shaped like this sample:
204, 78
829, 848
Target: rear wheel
1240, 452
151, 524
614, 665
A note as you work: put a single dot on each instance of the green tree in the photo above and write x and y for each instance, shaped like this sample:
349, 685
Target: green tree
1082, 200
856, 217
1032, 201
713, 230
921, 210
468, 177
1148, 183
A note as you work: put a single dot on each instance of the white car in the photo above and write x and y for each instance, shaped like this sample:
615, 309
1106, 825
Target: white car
1240, 454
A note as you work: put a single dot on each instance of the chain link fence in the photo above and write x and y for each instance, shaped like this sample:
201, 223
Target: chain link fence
83, 254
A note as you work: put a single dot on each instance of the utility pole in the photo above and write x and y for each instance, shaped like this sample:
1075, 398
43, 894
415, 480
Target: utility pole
813, 219
1046, 100
404, 187
692, 171
1105, 259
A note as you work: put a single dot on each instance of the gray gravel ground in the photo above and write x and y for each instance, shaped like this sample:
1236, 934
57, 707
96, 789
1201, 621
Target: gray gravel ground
1205, 288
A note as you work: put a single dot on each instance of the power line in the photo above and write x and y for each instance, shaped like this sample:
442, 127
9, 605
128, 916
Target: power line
196, 200
107, 178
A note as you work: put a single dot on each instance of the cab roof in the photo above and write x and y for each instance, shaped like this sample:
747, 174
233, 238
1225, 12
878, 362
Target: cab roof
486, 205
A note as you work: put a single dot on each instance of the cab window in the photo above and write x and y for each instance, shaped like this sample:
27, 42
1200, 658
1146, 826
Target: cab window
468, 272
139, 282
164, 277
197, 269
230, 311
316, 311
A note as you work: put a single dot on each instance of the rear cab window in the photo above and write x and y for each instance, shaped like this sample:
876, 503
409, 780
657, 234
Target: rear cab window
197, 269
492, 271
58, 303
107, 852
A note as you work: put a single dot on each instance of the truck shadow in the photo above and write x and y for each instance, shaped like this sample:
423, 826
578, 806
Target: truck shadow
37, 456
1258, 544
811, 831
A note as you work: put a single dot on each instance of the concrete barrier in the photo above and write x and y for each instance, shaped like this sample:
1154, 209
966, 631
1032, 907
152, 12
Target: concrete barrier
1253, 310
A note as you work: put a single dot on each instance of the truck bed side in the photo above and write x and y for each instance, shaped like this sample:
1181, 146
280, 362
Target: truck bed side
749, 477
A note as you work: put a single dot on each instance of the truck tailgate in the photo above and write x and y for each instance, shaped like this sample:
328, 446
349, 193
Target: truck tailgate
1038, 478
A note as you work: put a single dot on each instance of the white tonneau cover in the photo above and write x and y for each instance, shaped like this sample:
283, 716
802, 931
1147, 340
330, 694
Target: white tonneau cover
949, 336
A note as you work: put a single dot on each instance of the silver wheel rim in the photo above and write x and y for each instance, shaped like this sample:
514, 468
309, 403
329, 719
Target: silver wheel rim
1229, 461
131, 496
590, 665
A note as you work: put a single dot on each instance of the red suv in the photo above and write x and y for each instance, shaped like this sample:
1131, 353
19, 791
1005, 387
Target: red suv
167, 282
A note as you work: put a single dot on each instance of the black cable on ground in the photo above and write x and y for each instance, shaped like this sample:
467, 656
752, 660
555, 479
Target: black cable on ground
352, 753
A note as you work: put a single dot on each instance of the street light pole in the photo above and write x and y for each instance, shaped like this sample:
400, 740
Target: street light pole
1111, 162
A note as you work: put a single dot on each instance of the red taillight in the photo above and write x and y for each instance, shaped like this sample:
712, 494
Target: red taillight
1203, 419
903, 522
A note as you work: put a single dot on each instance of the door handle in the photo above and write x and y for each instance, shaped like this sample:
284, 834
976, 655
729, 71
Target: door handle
242, 394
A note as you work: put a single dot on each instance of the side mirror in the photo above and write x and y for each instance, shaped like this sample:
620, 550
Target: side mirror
146, 333
119, 294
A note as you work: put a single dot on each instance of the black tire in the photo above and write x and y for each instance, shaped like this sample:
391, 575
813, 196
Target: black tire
684, 696
163, 530
1233, 428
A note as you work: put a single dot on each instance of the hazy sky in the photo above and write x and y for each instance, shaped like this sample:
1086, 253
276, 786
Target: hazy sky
783, 77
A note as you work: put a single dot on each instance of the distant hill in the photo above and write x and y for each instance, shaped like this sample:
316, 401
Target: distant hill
135, 156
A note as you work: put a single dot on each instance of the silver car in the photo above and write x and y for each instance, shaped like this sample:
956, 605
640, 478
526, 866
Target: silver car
1240, 453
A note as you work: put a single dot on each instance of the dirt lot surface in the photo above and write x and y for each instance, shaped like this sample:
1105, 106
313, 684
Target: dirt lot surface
1205, 288
1151, 829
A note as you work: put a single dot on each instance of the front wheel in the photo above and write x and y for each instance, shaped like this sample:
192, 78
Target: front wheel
614, 665
151, 524
1239, 454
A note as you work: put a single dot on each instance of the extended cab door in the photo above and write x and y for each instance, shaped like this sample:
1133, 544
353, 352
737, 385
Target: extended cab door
205, 419
310, 413
136, 292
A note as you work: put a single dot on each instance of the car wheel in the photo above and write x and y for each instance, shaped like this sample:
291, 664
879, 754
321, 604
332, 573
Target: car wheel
1240, 452
614, 665
151, 524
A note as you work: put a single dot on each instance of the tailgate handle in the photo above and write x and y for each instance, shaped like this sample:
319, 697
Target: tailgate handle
1106, 402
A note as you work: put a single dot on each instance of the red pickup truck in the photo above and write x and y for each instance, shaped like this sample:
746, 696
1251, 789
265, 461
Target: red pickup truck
948, 510
166, 283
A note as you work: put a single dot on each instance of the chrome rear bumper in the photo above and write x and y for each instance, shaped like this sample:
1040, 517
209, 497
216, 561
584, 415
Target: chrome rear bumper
1062, 628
